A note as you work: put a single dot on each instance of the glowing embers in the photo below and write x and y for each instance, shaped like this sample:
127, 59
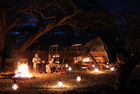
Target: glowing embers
60, 84
23, 71
112, 69
78, 78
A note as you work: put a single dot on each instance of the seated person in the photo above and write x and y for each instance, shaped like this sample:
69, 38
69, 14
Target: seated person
50, 62
36, 62
42, 66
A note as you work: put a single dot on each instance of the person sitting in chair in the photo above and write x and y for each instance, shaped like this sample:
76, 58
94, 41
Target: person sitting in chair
36, 62
50, 62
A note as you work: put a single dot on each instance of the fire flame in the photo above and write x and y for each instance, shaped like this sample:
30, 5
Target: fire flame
23, 71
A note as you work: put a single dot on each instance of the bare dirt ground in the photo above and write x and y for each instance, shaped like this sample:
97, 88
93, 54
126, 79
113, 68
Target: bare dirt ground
91, 83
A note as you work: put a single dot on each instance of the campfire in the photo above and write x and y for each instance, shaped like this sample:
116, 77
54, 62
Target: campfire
22, 71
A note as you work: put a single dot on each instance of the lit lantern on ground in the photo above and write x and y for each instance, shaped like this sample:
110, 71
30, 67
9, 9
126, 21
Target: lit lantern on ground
107, 66
93, 66
96, 70
78, 78
66, 66
15, 86
69, 68
60, 84
112, 68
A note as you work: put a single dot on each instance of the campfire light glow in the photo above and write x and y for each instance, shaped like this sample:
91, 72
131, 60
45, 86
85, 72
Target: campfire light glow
23, 71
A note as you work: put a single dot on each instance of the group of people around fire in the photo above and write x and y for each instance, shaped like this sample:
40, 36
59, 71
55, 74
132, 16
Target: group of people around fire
41, 65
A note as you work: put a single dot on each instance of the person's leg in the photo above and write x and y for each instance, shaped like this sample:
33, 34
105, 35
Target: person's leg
40, 68
37, 67
44, 68
48, 70
34, 67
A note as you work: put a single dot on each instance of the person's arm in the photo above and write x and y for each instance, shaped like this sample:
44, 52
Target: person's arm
33, 60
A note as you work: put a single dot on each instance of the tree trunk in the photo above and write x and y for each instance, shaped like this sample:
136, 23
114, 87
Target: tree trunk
2, 40
2, 33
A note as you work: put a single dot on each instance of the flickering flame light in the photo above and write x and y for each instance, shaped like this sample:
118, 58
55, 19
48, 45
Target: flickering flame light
78, 78
23, 71
66, 65
96, 70
93, 66
69, 68
86, 59
112, 68
60, 84
14, 86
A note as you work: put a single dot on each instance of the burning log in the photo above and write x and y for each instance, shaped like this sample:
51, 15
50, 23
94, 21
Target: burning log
23, 72
8, 76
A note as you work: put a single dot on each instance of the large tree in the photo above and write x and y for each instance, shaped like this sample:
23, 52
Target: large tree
54, 12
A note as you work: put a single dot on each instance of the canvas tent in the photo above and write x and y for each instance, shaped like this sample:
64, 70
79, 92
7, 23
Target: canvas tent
95, 49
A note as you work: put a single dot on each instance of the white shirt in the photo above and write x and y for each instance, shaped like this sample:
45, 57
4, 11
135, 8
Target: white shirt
36, 60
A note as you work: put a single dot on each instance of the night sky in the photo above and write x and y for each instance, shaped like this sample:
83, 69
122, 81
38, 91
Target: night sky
123, 12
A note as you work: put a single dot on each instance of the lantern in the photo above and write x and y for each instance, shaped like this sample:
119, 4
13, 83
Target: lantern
78, 78
86, 59
15, 85
112, 68
107, 66
66, 65
93, 66
96, 70
69, 68
60, 84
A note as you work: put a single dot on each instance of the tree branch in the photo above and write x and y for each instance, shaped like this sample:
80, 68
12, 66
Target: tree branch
49, 27
44, 17
12, 25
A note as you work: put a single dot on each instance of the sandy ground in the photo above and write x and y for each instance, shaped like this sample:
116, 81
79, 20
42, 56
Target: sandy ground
91, 83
